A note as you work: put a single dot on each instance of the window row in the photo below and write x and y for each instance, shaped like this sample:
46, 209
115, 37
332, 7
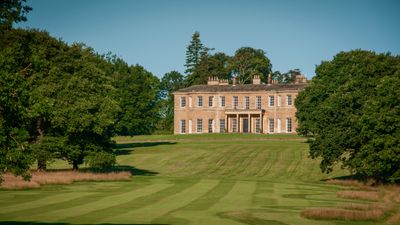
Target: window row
234, 128
235, 101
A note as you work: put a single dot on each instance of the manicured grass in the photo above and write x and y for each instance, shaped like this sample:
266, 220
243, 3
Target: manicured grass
205, 137
191, 179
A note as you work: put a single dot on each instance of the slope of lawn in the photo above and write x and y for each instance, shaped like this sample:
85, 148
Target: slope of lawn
190, 179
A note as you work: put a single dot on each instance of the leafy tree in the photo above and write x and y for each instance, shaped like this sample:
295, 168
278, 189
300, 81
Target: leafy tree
15, 154
12, 11
68, 98
138, 96
170, 82
287, 77
216, 65
219, 66
202, 71
249, 61
23, 55
350, 113
84, 110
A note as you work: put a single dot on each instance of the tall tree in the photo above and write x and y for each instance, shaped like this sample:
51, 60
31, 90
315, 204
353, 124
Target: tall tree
84, 109
12, 11
193, 57
212, 65
170, 82
249, 61
219, 66
350, 113
32, 52
68, 98
15, 154
138, 95
287, 77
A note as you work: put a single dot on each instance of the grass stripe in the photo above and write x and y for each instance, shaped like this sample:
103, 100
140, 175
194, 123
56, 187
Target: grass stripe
168, 204
211, 197
123, 208
272, 156
53, 199
102, 203
239, 197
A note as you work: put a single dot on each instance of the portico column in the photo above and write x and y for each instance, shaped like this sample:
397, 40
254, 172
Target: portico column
237, 123
248, 115
261, 123
226, 124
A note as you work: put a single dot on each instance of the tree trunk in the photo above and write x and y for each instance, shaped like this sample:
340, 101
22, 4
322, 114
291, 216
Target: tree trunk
75, 165
41, 163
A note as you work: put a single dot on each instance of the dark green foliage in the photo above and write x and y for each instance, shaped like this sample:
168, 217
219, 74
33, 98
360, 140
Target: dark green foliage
193, 53
138, 96
84, 106
57, 101
287, 77
200, 64
100, 160
351, 113
15, 153
171, 82
48, 149
248, 62
12, 11
217, 65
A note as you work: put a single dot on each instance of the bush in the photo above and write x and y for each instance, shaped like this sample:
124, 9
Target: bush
100, 160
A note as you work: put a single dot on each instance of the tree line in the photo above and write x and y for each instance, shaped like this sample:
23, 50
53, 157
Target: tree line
61, 101
65, 101
202, 63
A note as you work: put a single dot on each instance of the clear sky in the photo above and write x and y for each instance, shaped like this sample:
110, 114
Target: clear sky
155, 33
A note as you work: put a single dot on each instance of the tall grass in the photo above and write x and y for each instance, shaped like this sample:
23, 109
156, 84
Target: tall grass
59, 177
361, 195
388, 194
343, 214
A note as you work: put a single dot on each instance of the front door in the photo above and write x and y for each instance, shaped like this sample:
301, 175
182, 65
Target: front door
245, 125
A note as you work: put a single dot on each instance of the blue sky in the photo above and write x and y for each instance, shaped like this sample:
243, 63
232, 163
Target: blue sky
155, 33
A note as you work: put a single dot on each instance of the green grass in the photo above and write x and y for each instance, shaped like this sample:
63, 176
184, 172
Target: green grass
206, 137
220, 179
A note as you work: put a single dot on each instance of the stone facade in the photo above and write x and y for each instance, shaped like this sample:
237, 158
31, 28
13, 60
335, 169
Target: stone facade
220, 107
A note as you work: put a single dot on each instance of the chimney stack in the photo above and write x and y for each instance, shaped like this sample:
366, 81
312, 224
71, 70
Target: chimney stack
234, 81
269, 79
212, 81
223, 82
256, 79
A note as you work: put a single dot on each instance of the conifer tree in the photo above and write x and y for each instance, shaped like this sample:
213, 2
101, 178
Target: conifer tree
193, 57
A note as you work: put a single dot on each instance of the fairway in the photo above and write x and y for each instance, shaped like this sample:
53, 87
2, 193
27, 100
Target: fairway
192, 179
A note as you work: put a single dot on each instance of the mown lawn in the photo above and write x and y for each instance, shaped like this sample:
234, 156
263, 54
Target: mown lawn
190, 179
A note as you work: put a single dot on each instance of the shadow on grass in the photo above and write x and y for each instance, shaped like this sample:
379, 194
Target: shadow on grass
128, 148
122, 168
37, 223
356, 177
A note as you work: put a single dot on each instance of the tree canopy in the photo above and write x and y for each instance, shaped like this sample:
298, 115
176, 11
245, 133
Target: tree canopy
350, 113
248, 62
60, 101
139, 97
170, 82
12, 11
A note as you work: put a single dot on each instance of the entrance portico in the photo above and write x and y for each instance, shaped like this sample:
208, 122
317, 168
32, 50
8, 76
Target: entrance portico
244, 120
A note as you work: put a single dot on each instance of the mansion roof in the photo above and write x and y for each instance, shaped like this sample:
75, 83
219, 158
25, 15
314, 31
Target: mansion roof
242, 88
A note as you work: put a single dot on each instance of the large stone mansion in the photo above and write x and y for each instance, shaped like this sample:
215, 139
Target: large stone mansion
220, 107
